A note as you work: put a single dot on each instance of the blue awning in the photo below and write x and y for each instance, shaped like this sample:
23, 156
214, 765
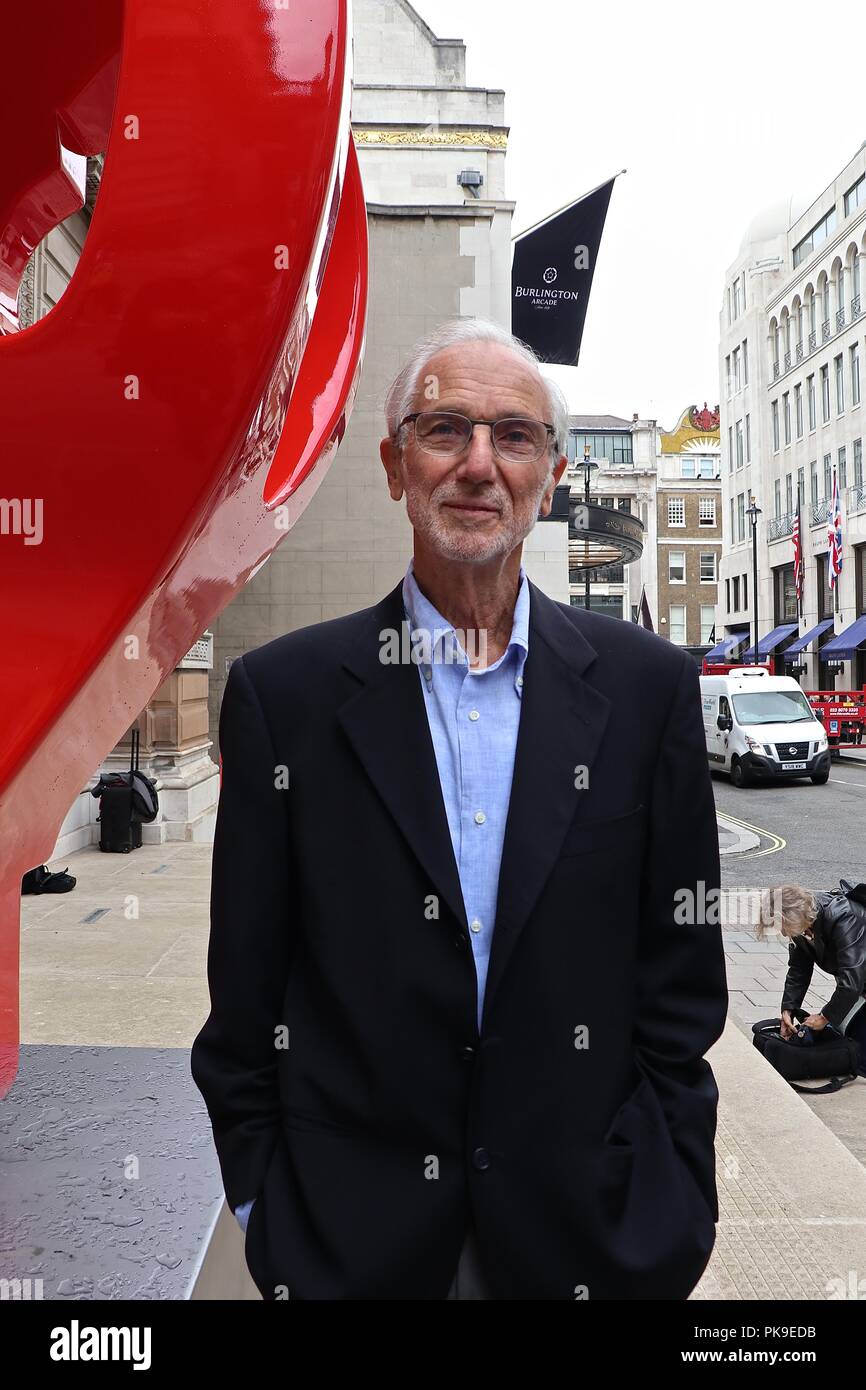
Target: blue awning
771, 641
844, 646
727, 644
802, 642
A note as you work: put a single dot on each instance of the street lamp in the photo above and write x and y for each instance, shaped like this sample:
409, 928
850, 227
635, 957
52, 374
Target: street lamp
588, 466
753, 511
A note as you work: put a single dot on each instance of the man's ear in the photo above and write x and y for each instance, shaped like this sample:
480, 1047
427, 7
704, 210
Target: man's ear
390, 456
547, 495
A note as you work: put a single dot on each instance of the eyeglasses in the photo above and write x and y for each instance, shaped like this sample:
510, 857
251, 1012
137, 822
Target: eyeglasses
514, 439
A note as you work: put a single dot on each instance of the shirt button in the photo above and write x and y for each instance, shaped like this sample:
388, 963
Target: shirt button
475, 925
473, 714
480, 818
519, 680
481, 1160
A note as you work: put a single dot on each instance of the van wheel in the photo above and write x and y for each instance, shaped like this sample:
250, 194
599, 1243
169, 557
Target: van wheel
739, 776
819, 778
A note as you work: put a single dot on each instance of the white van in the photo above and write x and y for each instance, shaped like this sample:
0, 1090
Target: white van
760, 727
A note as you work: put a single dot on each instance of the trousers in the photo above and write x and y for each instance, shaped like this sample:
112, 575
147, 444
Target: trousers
469, 1280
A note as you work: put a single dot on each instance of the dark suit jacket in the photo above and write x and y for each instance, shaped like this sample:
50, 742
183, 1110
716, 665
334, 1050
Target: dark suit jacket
577, 1130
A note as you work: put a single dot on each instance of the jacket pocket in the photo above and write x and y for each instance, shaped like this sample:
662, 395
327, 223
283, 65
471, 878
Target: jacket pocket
589, 837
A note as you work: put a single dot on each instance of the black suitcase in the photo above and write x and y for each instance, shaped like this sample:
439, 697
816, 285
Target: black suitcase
120, 827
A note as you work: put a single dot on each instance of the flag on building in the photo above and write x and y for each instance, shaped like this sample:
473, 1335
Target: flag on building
551, 276
834, 537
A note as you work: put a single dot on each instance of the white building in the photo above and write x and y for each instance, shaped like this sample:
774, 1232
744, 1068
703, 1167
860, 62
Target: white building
791, 363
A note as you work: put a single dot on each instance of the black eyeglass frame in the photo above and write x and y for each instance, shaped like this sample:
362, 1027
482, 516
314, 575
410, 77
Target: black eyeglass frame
410, 419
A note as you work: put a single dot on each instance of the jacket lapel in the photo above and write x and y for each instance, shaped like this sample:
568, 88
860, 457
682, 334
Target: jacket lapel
562, 721
386, 722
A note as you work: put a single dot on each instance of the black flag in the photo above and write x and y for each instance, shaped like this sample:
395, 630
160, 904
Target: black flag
551, 277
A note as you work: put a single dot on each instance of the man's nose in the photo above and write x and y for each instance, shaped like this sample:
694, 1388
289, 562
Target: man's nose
478, 462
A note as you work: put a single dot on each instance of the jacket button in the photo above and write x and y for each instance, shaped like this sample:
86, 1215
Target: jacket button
467, 1053
481, 1160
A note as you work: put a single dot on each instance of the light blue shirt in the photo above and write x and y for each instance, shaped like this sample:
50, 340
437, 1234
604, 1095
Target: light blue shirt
473, 718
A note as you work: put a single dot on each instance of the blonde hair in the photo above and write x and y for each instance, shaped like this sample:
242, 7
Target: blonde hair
790, 909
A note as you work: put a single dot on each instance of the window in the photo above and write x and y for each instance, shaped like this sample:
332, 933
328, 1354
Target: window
801, 486
728, 376
786, 415
789, 494
748, 439
708, 622
775, 409
727, 595
624, 505
828, 476
730, 448
676, 511
736, 582
810, 392
676, 567
739, 429
677, 621
825, 393
745, 591
784, 594
813, 475
615, 448
840, 385
745, 361
733, 522
735, 364
707, 468
708, 566
728, 298
798, 409
738, 297
856, 195
777, 498
858, 462
842, 468
855, 374
741, 517
707, 511
812, 240
689, 468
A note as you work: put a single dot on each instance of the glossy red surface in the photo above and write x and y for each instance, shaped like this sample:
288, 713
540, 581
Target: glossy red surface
178, 408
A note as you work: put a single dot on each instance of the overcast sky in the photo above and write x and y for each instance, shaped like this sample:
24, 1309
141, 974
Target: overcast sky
715, 111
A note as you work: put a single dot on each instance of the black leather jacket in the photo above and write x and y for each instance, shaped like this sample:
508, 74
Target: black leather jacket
838, 947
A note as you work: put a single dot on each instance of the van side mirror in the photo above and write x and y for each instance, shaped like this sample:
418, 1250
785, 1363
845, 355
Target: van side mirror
724, 722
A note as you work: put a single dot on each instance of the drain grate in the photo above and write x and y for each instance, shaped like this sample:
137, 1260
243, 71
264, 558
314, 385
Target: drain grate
95, 916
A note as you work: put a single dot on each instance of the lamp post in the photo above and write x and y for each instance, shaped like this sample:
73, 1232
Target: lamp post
588, 466
753, 511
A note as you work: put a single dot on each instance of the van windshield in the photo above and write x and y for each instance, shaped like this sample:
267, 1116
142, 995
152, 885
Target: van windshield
772, 707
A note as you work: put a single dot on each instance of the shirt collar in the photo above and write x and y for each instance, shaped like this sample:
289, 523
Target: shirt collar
421, 613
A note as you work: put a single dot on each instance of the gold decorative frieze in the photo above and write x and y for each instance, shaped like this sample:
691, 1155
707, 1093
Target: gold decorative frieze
431, 137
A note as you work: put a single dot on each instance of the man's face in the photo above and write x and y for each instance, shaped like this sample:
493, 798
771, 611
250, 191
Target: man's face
476, 506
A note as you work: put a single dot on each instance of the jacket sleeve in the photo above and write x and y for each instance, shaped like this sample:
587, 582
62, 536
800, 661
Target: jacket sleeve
234, 1057
682, 991
850, 968
799, 977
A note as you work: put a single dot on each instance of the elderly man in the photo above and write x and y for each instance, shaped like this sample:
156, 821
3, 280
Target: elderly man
457, 1030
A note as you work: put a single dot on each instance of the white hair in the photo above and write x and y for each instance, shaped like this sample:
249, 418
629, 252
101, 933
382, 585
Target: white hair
404, 388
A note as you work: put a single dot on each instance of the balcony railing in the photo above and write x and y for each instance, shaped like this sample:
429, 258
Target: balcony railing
855, 307
813, 340
818, 511
799, 352
787, 360
825, 331
779, 527
855, 498
840, 319
775, 370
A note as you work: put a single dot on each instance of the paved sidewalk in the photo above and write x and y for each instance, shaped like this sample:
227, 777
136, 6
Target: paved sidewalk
119, 965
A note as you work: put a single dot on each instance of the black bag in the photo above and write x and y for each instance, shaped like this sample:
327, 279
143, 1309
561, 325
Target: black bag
839, 1056
125, 800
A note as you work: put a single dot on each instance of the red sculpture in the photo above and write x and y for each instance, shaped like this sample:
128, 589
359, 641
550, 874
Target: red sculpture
175, 412
704, 419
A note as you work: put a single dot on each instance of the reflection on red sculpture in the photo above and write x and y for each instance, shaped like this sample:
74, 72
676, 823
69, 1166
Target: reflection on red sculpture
195, 377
